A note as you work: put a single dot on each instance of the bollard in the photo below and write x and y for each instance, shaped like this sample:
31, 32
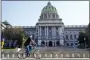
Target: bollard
51, 55
35, 55
24, 55
62, 55
46, 55
83, 55
2, 55
7, 55
13, 55
56, 55
78, 55
73, 55
40, 55
67, 55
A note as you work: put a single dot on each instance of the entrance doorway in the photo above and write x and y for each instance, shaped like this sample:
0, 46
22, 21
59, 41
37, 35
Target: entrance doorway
50, 43
58, 44
43, 43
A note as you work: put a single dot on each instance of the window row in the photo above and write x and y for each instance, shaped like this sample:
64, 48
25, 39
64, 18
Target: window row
49, 28
71, 37
72, 44
48, 16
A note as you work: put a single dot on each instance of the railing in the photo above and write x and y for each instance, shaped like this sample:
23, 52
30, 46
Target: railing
48, 55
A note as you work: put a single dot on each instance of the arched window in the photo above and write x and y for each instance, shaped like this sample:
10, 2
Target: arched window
43, 43
57, 43
53, 15
49, 15
45, 16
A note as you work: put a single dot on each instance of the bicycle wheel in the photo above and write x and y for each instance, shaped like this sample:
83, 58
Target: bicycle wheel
21, 54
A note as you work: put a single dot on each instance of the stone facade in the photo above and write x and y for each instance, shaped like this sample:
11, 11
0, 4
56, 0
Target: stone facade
50, 31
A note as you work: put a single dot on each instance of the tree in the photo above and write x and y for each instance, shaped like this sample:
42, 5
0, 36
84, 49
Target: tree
81, 37
84, 37
15, 34
88, 35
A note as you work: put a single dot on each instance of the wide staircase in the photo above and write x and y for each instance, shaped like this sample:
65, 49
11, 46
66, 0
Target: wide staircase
50, 52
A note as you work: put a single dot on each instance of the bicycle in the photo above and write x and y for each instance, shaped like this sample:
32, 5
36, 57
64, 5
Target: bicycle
22, 52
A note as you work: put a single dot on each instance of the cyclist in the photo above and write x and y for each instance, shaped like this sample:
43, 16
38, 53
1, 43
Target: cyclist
30, 45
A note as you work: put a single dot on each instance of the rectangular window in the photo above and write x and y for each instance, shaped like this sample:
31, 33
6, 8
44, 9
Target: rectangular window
75, 43
74, 36
71, 37
66, 37
67, 44
71, 44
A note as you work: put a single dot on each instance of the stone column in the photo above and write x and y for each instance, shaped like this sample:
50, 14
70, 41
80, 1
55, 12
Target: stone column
47, 31
47, 43
40, 33
55, 43
52, 31
38, 30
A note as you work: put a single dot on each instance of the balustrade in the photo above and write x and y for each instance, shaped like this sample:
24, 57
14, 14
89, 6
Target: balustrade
47, 55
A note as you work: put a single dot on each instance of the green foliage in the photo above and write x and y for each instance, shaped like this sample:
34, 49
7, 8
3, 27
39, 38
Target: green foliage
84, 34
81, 38
14, 34
88, 35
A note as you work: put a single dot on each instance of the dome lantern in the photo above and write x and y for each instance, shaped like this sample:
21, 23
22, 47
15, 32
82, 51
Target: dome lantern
49, 3
49, 8
49, 12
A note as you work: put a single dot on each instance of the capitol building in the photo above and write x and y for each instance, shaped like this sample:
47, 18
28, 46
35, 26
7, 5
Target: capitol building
50, 31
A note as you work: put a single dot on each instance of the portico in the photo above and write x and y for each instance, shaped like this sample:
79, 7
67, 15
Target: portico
50, 27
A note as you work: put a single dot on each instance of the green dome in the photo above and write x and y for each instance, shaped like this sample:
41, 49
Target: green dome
49, 8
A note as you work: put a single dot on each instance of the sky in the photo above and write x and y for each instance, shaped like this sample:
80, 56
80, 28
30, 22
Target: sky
26, 13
